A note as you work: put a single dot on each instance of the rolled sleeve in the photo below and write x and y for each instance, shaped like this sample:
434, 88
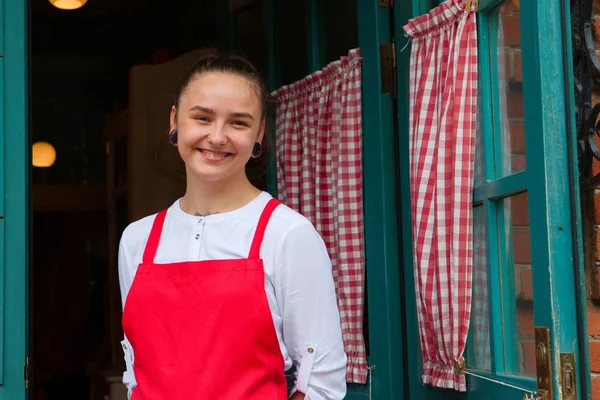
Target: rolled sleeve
311, 321
126, 275
128, 376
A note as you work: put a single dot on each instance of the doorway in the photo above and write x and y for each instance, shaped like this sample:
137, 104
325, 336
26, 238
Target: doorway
80, 91
68, 196
89, 71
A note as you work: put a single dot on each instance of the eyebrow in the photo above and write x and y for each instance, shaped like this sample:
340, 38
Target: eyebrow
210, 111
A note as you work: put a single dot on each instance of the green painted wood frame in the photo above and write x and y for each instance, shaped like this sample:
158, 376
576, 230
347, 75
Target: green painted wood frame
14, 201
545, 177
380, 187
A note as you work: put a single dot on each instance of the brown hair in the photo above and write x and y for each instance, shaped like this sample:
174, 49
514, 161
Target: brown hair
214, 61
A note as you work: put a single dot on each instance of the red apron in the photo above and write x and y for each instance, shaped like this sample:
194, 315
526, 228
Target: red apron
203, 329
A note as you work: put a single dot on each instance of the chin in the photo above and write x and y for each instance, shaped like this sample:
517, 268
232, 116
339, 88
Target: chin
211, 175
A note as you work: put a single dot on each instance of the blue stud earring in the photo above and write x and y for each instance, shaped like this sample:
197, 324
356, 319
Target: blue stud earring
173, 137
257, 150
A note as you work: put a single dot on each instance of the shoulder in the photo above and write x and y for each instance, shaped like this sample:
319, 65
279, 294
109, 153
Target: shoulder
294, 245
136, 234
290, 229
286, 221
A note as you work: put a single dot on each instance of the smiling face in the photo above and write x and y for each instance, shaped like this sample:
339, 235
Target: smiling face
218, 120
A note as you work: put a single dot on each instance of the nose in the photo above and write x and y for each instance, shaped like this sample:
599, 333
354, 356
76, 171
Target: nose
219, 136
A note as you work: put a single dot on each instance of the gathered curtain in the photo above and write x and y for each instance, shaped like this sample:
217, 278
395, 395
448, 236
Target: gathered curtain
319, 174
443, 108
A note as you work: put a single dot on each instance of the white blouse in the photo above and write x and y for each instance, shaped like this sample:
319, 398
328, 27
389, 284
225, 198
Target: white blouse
298, 283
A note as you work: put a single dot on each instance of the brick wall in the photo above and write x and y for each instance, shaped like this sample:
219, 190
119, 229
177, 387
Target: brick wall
591, 200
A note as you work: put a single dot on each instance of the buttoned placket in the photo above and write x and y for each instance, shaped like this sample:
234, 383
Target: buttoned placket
197, 238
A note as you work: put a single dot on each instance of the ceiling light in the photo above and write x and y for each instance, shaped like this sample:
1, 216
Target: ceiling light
68, 4
43, 154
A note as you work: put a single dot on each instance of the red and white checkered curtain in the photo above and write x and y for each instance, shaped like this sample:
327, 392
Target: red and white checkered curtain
443, 107
319, 174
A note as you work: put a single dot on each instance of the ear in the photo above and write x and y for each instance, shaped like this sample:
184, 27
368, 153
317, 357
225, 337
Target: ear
261, 131
173, 119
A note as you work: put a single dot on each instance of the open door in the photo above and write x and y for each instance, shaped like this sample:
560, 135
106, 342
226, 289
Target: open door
523, 339
14, 204
524, 322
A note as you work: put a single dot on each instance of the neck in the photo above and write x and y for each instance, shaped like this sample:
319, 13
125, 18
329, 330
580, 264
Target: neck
206, 198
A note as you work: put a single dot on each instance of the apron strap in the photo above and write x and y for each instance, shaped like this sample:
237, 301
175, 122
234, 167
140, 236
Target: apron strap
154, 238
262, 226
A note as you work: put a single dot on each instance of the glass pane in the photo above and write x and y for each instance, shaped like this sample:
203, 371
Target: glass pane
294, 46
479, 347
508, 104
516, 285
251, 33
479, 149
339, 28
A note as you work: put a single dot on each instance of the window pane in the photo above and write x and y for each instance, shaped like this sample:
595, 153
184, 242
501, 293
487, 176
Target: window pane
516, 285
479, 149
251, 33
294, 47
479, 347
508, 100
340, 28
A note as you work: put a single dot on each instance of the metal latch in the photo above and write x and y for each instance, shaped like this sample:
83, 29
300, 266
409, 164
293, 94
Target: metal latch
387, 54
567, 376
543, 362
26, 373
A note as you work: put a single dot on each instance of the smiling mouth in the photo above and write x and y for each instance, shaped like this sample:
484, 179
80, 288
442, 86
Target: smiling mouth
214, 155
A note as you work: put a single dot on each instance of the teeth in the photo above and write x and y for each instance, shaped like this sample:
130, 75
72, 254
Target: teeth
214, 155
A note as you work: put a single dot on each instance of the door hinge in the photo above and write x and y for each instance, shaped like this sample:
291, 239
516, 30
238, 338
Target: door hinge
386, 3
26, 373
387, 58
543, 358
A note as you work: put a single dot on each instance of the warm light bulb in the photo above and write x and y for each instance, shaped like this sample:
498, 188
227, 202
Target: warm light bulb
43, 154
68, 4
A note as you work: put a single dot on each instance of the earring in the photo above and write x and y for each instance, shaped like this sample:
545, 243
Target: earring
173, 137
257, 150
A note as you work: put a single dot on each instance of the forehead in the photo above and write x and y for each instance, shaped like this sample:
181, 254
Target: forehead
221, 88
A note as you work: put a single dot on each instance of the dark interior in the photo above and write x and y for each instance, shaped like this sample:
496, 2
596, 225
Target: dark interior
79, 80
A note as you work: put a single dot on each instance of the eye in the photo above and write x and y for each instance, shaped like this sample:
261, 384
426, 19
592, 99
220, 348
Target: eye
202, 119
239, 123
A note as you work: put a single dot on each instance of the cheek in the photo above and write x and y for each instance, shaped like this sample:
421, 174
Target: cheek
245, 144
188, 133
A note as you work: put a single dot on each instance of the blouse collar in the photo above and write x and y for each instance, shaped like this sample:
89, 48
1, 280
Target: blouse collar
254, 207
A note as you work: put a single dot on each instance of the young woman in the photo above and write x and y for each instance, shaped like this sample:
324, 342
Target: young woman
227, 288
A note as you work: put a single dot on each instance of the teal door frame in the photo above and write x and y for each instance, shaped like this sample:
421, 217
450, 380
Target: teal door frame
381, 200
548, 86
14, 199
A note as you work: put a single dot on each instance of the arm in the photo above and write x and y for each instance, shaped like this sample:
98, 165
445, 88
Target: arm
126, 275
311, 320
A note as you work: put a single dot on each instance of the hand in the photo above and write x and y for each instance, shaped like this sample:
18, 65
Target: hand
297, 396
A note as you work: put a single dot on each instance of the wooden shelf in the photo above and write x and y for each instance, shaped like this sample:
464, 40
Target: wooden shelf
69, 197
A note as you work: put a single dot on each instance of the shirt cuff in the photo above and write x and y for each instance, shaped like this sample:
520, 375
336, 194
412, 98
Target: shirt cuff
128, 376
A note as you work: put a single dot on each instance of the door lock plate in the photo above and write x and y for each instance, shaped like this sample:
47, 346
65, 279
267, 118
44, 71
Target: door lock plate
543, 356
568, 380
